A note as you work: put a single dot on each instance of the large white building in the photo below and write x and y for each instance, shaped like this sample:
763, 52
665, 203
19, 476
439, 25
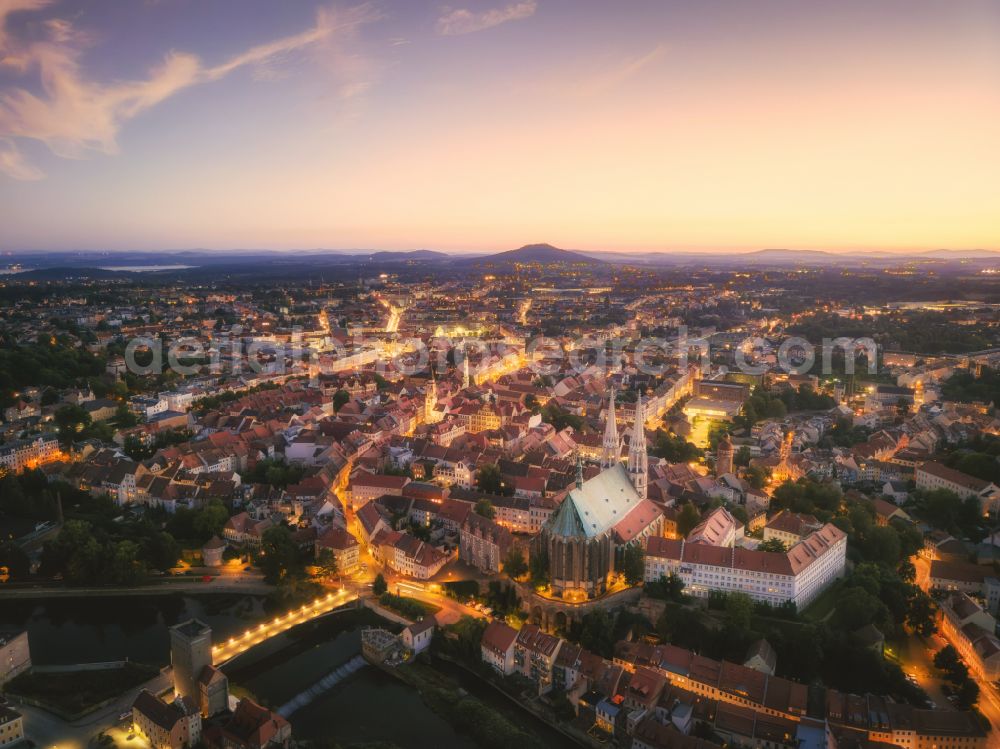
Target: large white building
28, 453
932, 475
798, 575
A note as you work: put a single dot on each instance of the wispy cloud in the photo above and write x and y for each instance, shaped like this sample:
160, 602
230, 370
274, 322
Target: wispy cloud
74, 115
14, 164
456, 21
614, 75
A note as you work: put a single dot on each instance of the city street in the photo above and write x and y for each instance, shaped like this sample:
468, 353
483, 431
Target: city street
450, 609
916, 656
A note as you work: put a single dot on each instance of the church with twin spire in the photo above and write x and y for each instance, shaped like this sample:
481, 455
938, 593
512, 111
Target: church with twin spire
585, 538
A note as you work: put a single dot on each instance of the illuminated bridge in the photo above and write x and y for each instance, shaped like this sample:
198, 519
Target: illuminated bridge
234, 646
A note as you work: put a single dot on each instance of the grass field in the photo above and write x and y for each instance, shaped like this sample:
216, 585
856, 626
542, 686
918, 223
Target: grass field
410, 608
76, 692
822, 607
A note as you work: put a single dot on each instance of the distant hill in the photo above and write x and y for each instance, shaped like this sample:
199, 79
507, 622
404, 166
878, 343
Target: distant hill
542, 254
385, 256
63, 274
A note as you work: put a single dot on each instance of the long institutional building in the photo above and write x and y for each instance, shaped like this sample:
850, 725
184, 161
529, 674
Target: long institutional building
797, 575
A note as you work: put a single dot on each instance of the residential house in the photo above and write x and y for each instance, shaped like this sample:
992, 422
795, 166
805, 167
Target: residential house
497, 647
174, 725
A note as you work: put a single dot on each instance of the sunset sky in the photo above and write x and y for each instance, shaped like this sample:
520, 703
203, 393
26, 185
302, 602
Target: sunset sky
488, 124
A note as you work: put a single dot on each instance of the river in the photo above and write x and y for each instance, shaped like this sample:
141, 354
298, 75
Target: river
366, 706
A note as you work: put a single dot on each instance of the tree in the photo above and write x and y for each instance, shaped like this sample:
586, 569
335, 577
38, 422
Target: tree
881, 544
922, 614
136, 449
211, 519
673, 448
13, 500
489, 480
126, 568
539, 567
71, 420
856, 607
279, 555
633, 564
968, 695
946, 658
739, 512
514, 564
485, 509
597, 632
15, 561
687, 519
502, 598
326, 561
772, 544
124, 418
667, 588
379, 586
757, 477
340, 399
742, 456
161, 551
739, 611
560, 418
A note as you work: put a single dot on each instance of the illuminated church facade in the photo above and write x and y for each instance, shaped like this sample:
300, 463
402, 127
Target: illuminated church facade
585, 537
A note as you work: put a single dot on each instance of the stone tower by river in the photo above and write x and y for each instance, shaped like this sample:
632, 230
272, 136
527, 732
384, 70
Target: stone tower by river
190, 652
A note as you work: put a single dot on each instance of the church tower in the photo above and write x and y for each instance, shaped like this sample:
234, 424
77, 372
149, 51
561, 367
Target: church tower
430, 401
638, 460
611, 452
466, 380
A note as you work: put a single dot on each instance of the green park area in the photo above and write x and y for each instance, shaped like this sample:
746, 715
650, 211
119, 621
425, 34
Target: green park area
75, 693
408, 608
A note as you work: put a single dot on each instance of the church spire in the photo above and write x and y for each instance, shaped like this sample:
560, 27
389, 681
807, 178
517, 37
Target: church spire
579, 470
611, 451
466, 380
638, 460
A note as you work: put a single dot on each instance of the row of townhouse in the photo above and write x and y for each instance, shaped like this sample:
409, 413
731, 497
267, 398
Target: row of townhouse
528, 651
798, 575
971, 630
656, 695
513, 513
30, 452
871, 717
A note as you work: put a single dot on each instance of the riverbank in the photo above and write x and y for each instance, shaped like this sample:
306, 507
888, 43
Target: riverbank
486, 725
169, 586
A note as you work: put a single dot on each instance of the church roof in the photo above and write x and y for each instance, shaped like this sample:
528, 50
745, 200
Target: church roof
597, 506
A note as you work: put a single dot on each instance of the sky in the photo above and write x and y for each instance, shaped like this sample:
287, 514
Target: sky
631, 125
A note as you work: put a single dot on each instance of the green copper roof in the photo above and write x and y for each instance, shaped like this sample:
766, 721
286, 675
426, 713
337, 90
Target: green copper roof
597, 506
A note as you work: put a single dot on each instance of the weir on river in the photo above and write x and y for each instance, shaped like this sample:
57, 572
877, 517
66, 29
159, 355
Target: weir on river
325, 684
